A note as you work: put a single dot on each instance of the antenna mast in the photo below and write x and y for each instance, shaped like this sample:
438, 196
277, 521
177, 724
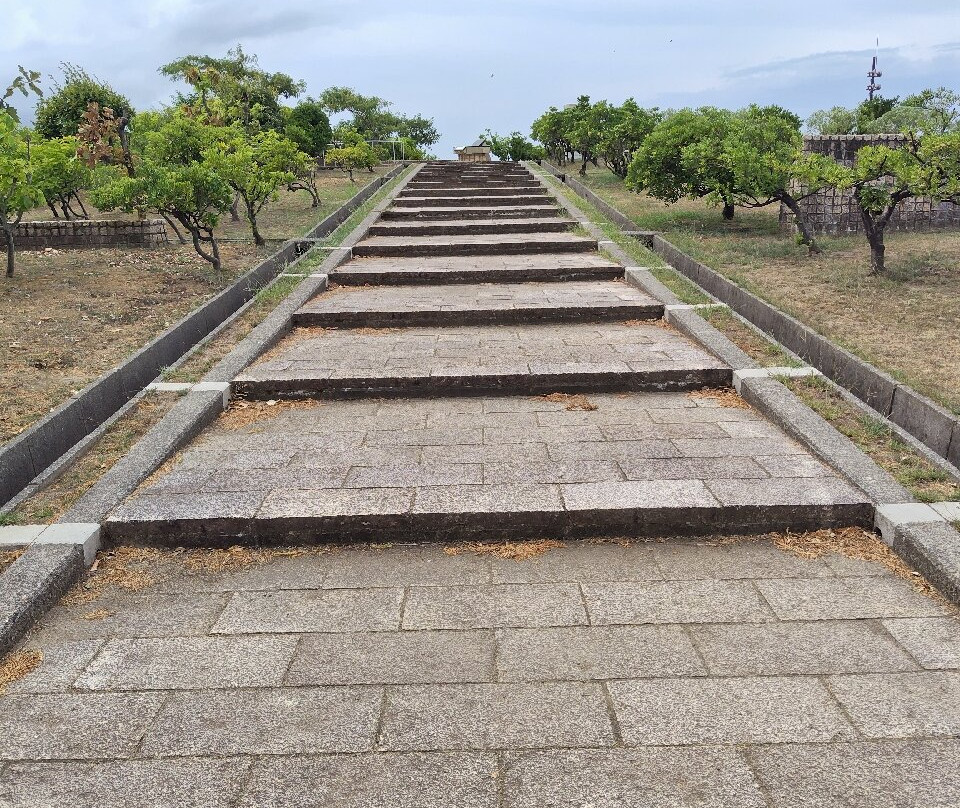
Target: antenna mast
874, 74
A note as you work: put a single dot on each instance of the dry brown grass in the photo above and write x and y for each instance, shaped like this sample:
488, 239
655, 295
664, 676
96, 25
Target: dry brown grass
238, 557
56, 499
852, 542
724, 397
17, 665
7, 557
131, 569
571, 402
242, 414
511, 551
98, 614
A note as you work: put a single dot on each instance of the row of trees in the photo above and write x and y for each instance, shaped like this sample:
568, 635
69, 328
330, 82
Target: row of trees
228, 141
753, 157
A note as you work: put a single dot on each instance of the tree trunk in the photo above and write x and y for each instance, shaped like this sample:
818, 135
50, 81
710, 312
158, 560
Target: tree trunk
873, 228
199, 238
169, 221
235, 208
53, 210
86, 215
9, 232
252, 216
728, 211
806, 234
583, 167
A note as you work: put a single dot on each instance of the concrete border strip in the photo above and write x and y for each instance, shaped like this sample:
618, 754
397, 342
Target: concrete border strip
771, 372
28, 455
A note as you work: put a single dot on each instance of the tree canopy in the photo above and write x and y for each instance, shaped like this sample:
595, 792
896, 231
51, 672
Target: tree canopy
60, 113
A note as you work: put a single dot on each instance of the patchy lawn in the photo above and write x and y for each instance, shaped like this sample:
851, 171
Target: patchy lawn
906, 323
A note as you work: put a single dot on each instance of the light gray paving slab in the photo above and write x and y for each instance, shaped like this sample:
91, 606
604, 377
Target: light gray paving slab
494, 606
282, 721
434, 780
595, 652
773, 649
701, 777
184, 783
707, 601
306, 571
404, 566
402, 657
581, 561
846, 598
766, 709
495, 716
70, 725
311, 611
933, 641
902, 705
724, 560
188, 662
894, 774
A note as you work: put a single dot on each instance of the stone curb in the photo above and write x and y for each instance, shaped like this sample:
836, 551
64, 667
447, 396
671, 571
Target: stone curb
30, 453
32, 584
85, 536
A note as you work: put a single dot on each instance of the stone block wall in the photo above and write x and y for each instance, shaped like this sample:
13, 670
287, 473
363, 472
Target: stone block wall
833, 212
86, 233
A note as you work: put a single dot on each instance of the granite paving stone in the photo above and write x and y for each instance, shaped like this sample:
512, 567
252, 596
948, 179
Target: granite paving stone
744, 559
702, 777
427, 565
764, 709
434, 780
101, 724
311, 611
933, 641
171, 783
595, 652
63, 660
278, 721
901, 705
495, 716
704, 601
847, 598
403, 657
822, 647
188, 662
575, 561
894, 774
494, 606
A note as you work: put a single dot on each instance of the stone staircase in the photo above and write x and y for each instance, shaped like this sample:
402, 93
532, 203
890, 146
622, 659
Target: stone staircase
480, 370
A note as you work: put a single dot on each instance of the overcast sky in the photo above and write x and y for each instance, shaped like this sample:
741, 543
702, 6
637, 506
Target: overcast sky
499, 63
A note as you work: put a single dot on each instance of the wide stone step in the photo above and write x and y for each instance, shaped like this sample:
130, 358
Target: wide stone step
476, 304
472, 269
472, 227
473, 360
467, 190
473, 201
504, 468
402, 212
416, 246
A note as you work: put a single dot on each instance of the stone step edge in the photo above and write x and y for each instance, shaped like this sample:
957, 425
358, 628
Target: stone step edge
513, 384
470, 524
516, 316
347, 277
451, 249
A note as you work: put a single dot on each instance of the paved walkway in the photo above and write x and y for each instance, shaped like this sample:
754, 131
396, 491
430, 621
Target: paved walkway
647, 675
480, 372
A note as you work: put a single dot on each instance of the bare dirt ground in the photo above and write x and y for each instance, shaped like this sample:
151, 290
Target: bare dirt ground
906, 322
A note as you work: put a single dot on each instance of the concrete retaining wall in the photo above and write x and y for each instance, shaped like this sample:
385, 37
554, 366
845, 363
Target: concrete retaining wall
85, 233
27, 455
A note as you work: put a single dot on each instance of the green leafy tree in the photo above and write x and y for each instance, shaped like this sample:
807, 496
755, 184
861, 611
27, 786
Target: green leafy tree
255, 167
355, 153
233, 89
514, 147
625, 129
676, 159
18, 191
371, 117
174, 177
550, 129
60, 175
308, 126
61, 112
25, 82
931, 111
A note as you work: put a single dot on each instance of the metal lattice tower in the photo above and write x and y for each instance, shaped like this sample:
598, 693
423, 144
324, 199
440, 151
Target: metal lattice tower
873, 75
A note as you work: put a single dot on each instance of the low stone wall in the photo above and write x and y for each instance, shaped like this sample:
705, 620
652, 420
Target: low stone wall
87, 233
833, 212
